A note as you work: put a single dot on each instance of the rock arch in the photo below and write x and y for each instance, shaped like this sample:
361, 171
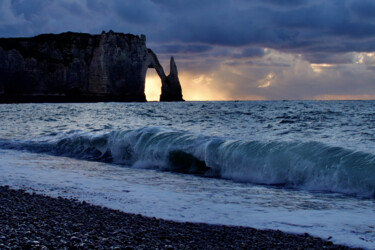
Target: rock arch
171, 87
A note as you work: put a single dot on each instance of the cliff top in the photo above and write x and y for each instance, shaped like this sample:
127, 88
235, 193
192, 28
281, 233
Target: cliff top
43, 38
41, 47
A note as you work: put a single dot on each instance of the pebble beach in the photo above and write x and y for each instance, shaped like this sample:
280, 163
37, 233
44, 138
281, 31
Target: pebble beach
33, 221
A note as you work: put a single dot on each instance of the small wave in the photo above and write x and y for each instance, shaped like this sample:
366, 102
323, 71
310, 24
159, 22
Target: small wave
303, 165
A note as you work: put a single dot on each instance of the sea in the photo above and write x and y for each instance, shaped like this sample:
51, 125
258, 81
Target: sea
296, 166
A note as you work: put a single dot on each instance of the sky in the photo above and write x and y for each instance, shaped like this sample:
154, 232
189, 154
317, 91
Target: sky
229, 49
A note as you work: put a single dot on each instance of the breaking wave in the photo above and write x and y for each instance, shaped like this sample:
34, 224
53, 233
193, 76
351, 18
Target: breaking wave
303, 165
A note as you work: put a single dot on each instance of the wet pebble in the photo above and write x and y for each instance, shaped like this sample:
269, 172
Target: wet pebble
31, 221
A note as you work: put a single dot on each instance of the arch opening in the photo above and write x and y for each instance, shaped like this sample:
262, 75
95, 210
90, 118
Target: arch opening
152, 86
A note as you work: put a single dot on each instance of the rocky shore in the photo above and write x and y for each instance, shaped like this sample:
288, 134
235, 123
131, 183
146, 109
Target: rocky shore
31, 221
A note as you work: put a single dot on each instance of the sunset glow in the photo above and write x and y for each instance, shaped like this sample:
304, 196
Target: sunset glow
318, 68
152, 86
200, 88
344, 97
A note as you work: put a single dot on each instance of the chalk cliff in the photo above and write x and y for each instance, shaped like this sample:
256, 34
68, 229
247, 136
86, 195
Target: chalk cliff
81, 67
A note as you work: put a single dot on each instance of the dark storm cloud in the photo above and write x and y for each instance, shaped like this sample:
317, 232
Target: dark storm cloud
137, 12
288, 3
97, 5
181, 48
329, 58
250, 53
28, 8
72, 7
300, 25
258, 63
310, 26
363, 9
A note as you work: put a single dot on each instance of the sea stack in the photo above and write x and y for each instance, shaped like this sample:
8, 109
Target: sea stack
80, 67
171, 88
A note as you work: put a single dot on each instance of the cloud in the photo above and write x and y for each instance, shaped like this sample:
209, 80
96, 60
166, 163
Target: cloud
250, 53
287, 3
137, 12
363, 9
181, 48
234, 43
284, 25
8, 17
330, 58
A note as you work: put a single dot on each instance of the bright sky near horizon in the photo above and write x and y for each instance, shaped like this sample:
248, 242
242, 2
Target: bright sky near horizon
229, 50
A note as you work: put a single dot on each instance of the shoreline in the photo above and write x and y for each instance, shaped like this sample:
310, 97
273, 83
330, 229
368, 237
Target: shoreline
41, 222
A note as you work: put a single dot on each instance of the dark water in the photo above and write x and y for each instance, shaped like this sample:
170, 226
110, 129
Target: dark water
315, 158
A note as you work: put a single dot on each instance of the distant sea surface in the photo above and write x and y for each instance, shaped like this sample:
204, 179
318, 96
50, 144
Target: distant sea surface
297, 166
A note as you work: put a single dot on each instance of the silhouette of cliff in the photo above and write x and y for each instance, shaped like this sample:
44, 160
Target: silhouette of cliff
80, 67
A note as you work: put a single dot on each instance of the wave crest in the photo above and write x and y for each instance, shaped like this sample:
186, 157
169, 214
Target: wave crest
310, 166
